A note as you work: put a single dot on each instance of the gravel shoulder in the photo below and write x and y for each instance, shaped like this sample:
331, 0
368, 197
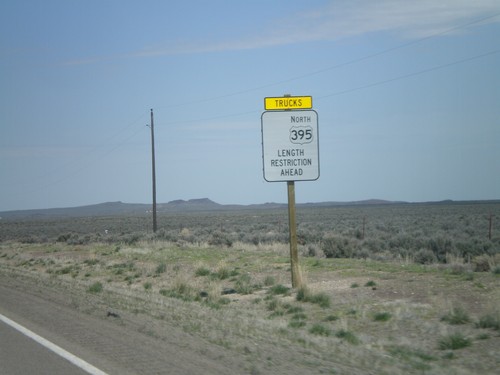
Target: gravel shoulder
118, 344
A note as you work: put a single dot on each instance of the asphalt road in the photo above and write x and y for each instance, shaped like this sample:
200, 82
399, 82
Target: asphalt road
20, 355
124, 345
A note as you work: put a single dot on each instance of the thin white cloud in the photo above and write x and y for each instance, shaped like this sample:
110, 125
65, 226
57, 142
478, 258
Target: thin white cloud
341, 19
408, 18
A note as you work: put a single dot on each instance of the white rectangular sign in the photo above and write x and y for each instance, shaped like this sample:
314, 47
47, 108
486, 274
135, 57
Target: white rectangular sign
290, 145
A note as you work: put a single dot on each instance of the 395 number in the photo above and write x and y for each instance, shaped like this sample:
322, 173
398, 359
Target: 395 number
301, 135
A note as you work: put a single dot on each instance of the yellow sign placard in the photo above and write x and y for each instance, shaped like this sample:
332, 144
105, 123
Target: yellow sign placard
288, 102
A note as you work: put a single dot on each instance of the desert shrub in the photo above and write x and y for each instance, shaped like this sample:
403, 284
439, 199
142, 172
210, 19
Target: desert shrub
425, 256
163, 234
362, 253
63, 237
338, 247
404, 241
131, 239
476, 247
375, 245
220, 239
481, 263
440, 246
75, 239
312, 251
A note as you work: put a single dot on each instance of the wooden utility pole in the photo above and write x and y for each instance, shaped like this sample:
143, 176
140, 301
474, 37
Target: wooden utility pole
292, 225
154, 170
490, 226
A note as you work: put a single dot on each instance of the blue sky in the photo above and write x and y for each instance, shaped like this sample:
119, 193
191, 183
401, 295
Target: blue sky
407, 95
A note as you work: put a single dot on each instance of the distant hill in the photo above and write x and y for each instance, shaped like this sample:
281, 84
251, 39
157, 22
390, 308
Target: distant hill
192, 205
114, 208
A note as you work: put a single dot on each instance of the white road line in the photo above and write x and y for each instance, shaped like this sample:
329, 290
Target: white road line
56, 349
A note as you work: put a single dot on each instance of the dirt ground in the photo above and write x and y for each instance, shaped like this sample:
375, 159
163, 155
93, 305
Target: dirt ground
156, 312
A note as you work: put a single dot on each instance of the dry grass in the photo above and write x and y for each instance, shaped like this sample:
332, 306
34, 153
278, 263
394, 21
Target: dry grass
391, 323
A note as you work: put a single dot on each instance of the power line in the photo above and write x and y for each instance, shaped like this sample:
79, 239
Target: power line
336, 66
369, 85
404, 76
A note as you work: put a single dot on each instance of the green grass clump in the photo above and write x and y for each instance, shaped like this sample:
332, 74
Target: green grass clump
382, 317
406, 353
453, 342
299, 316
305, 295
279, 289
416, 358
290, 309
202, 271
269, 281
274, 305
371, 283
331, 318
161, 268
217, 304
244, 285
489, 321
298, 320
456, 316
222, 274
66, 270
347, 336
320, 330
95, 288
181, 291
147, 285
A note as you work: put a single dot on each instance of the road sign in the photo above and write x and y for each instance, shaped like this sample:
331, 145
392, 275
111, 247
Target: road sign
290, 145
288, 102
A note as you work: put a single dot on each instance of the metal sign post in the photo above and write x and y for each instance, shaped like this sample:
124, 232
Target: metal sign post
290, 152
